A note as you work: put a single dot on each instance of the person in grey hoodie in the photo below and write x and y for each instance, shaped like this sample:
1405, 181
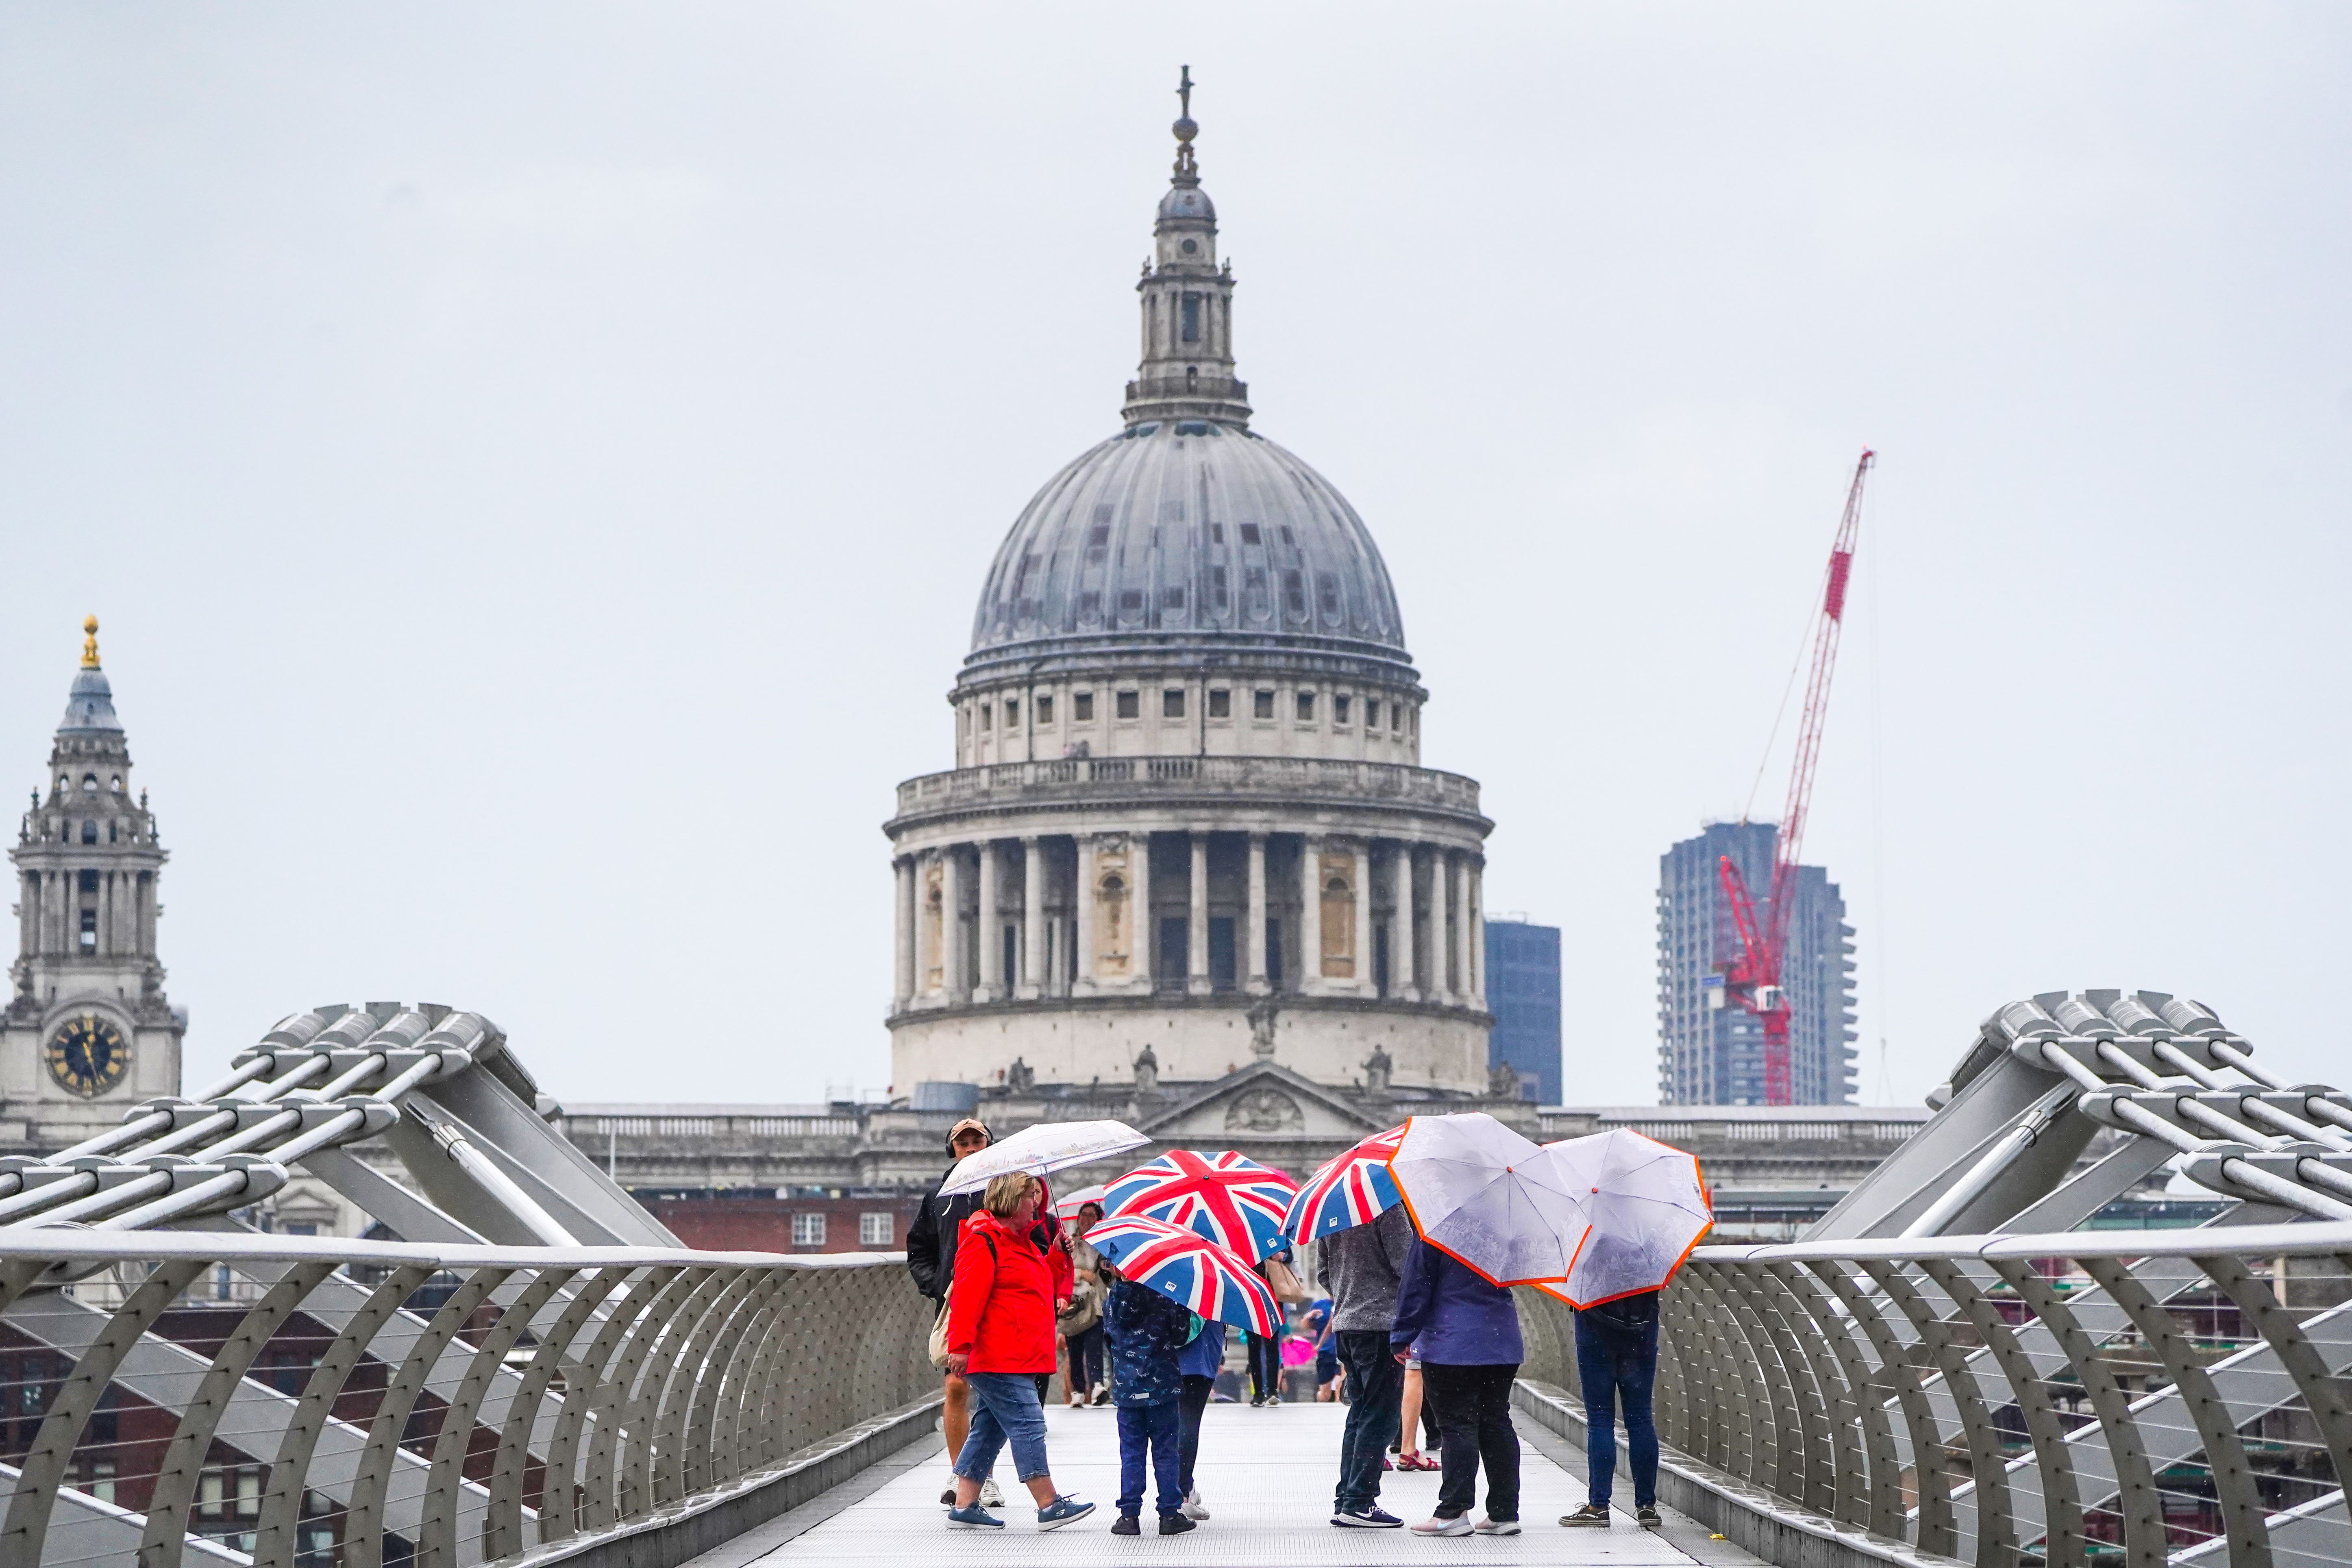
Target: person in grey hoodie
1361, 1267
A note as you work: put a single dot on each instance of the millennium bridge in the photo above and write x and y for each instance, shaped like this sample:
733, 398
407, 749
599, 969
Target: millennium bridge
1952, 1365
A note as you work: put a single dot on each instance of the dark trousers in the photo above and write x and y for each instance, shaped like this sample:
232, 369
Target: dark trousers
1375, 1383
1159, 1430
1192, 1402
1474, 1413
1085, 1360
1264, 1367
1617, 1370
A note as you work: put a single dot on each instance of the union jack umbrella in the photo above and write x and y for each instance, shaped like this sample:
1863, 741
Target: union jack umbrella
1230, 1199
1189, 1269
1353, 1189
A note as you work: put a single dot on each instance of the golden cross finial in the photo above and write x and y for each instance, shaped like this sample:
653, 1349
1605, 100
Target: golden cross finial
90, 642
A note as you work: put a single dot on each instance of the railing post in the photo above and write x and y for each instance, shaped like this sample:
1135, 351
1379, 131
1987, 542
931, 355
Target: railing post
437, 1535
1939, 1531
616, 1412
1996, 1532
586, 1390
674, 1390
2323, 1394
502, 1527
363, 1529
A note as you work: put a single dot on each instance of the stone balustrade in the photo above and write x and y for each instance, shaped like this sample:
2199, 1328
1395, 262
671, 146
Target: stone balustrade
1289, 780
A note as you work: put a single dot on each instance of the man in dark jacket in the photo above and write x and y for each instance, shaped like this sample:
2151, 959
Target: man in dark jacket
1361, 1267
931, 1259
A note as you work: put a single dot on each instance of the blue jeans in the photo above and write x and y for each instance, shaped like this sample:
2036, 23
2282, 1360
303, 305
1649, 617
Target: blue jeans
1005, 1409
1375, 1385
1160, 1428
1617, 1365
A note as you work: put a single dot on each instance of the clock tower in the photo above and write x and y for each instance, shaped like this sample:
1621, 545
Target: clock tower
88, 1032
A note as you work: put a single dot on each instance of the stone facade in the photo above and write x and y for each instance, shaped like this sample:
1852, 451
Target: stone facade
88, 1031
1187, 820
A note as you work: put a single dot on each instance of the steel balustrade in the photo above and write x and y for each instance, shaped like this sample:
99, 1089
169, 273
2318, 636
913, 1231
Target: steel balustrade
2072, 1399
301, 1403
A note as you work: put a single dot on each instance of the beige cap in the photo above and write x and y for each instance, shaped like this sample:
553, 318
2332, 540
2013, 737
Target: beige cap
974, 1123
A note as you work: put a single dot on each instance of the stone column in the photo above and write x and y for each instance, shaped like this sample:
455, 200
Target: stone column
1082, 917
1404, 980
1144, 931
1441, 928
1310, 916
1032, 917
1255, 982
954, 960
1196, 942
1367, 982
105, 912
902, 989
987, 929
1464, 985
1477, 923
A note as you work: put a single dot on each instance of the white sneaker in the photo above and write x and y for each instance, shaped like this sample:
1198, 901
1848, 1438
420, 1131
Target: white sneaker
1435, 1526
989, 1496
1193, 1507
1496, 1526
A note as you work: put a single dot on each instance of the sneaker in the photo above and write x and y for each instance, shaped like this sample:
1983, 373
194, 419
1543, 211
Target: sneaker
1193, 1507
1647, 1516
1102, 1395
1256, 1404
1175, 1524
1591, 1516
1062, 1510
1435, 1526
1496, 1526
989, 1496
1366, 1519
1125, 1524
973, 1518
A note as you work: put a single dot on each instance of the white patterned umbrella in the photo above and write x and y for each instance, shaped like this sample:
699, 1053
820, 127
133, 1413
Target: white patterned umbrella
1047, 1146
1647, 1207
1487, 1197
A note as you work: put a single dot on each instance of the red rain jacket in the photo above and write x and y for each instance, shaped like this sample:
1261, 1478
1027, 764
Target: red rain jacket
1000, 1307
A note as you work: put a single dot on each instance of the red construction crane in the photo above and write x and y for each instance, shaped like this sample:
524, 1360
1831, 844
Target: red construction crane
1752, 978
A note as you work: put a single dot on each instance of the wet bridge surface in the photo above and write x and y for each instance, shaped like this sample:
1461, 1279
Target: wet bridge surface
1265, 1475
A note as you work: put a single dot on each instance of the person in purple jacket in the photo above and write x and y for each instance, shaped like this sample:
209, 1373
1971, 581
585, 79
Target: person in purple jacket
1470, 1352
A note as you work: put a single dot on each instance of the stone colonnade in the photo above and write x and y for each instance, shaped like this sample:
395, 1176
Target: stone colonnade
1190, 912
122, 902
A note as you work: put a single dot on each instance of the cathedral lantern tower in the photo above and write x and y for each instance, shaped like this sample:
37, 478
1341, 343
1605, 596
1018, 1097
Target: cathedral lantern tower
88, 1031
1188, 838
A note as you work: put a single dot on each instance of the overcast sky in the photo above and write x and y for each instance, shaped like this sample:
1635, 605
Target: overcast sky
536, 464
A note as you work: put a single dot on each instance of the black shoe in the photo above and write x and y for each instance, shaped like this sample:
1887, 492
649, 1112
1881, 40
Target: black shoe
1125, 1524
1175, 1524
1373, 1518
1647, 1516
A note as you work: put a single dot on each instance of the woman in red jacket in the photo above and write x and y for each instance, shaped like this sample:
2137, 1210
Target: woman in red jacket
1000, 1340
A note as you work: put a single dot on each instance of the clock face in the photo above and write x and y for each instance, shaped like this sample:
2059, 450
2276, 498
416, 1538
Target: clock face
89, 1056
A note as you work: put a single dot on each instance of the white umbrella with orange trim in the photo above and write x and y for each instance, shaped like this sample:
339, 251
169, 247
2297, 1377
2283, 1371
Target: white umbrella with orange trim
1647, 1206
1487, 1197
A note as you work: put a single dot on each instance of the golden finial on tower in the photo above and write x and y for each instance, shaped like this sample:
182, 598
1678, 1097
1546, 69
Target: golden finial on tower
90, 642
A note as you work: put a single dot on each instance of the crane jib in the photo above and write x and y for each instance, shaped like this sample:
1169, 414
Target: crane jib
1840, 568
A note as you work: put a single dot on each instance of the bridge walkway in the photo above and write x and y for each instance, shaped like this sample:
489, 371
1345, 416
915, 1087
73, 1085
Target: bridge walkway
1265, 1476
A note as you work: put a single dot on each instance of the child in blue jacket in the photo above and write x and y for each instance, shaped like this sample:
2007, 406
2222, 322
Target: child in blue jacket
1146, 1331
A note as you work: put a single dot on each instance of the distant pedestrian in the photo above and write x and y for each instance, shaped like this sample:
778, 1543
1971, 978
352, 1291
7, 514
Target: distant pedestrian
1470, 1354
1617, 1363
999, 1337
1201, 1362
1147, 1333
1081, 1321
1361, 1267
931, 1259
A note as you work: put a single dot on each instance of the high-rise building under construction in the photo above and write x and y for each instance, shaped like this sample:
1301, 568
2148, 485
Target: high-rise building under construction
1710, 1050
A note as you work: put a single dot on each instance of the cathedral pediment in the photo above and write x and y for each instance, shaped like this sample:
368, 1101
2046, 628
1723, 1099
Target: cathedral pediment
1264, 1102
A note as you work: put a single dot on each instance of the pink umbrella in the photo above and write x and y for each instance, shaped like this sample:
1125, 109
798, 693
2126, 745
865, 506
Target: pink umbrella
1230, 1199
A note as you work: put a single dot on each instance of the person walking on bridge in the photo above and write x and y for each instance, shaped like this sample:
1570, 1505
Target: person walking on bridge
931, 1259
1000, 1340
1361, 1267
1470, 1352
1617, 1363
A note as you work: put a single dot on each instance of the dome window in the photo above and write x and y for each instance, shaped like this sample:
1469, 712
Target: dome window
1249, 533
1219, 597
1307, 706
1326, 594
1221, 704
1172, 702
1216, 534
1130, 704
1261, 704
1193, 427
1294, 593
1082, 706
1012, 713
986, 711
1130, 601
1045, 710
1172, 599
1372, 712
1340, 704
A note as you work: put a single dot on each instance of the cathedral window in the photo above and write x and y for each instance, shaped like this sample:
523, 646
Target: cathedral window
1249, 533
1012, 713
1216, 534
114, 833
1130, 601
1293, 592
1339, 709
88, 882
1396, 718
1221, 704
90, 783
89, 830
1171, 703
89, 930
1082, 706
1372, 712
1307, 706
1045, 710
986, 708
118, 783
1261, 705
1191, 318
1218, 593
64, 784
1130, 704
